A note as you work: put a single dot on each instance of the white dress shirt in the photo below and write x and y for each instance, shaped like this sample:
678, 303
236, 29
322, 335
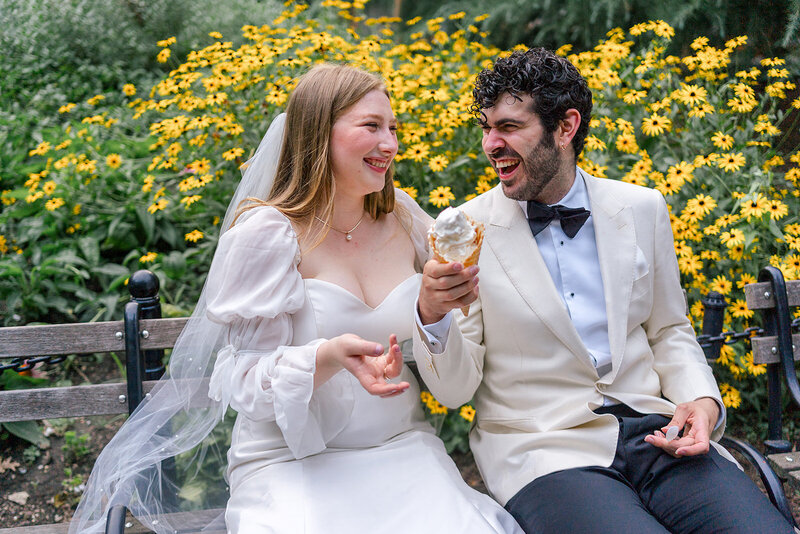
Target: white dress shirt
575, 270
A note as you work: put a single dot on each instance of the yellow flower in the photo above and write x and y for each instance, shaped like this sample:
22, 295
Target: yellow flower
631, 97
731, 238
655, 125
691, 95
113, 160
754, 207
731, 162
467, 412
66, 108
163, 56
194, 236
730, 396
3, 246
54, 203
626, 142
129, 89
42, 149
232, 154
49, 187
215, 35
702, 205
95, 100
721, 140
417, 151
438, 163
441, 196
160, 204
191, 199
721, 285
595, 143
777, 209
744, 279
149, 257
166, 42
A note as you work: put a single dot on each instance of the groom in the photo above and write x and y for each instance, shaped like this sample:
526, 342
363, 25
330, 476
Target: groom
577, 351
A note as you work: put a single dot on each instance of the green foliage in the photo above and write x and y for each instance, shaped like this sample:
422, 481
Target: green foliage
452, 426
29, 431
31, 454
774, 26
75, 447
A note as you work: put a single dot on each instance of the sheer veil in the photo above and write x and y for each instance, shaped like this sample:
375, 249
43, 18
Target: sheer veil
139, 468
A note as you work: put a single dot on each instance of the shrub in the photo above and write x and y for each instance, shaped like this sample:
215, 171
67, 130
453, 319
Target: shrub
114, 188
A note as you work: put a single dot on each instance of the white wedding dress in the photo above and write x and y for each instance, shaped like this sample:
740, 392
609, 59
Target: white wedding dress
335, 459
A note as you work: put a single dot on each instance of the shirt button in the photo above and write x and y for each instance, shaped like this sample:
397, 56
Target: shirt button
572, 295
562, 243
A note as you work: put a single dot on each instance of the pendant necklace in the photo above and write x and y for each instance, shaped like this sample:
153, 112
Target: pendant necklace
348, 234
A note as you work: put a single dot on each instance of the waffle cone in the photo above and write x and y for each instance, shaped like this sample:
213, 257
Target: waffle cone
470, 260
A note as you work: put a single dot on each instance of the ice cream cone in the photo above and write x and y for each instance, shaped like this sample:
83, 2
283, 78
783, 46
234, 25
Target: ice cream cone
470, 260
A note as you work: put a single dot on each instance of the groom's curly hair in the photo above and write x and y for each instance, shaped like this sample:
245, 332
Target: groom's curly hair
554, 84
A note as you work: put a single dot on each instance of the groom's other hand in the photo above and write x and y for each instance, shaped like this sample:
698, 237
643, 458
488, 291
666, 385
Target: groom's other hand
697, 419
445, 286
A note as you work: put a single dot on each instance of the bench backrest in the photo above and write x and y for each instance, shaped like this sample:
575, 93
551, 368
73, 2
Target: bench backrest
82, 338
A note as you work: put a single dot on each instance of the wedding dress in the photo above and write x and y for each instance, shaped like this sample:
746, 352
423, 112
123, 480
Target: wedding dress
335, 459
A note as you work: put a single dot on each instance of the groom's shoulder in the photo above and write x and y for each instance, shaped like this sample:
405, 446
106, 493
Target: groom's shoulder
480, 206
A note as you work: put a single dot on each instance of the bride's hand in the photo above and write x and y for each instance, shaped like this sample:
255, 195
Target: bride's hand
365, 360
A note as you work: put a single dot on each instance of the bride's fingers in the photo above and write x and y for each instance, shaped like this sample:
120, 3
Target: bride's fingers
394, 359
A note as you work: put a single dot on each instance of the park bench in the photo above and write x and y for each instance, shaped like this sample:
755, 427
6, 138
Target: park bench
142, 335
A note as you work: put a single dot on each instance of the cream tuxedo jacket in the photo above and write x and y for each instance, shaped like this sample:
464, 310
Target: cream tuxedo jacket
520, 357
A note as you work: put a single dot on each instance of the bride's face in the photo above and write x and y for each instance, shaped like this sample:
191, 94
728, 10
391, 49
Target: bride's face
363, 144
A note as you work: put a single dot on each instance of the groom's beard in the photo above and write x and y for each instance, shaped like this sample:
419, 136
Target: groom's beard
540, 166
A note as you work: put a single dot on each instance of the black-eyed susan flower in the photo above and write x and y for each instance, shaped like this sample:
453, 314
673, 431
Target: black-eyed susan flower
467, 412
194, 236
655, 125
150, 257
731, 162
113, 161
754, 207
722, 141
777, 209
730, 396
438, 163
441, 196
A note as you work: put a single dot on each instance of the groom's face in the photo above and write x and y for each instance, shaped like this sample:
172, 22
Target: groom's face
522, 153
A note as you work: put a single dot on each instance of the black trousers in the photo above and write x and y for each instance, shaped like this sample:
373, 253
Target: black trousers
646, 490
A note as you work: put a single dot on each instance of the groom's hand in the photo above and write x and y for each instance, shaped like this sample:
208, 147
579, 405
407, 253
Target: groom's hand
445, 286
697, 419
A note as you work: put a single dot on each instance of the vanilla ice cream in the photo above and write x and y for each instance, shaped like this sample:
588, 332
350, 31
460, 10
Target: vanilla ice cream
453, 235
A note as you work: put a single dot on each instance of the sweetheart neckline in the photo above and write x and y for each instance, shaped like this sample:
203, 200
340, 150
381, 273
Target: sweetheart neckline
354, 297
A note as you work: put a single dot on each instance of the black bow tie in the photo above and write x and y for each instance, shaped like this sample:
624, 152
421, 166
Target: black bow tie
540, 215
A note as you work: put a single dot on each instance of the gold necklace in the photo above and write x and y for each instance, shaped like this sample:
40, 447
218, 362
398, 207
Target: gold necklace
348, 234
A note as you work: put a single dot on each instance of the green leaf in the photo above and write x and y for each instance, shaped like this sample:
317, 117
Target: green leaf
90, 249
29, 431
13, 380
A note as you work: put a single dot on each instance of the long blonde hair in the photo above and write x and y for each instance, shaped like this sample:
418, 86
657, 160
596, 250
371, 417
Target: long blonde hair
304, 184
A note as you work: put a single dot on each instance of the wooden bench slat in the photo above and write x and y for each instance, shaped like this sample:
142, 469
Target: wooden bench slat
754, 294
83, 338
162, 332
21, 341
80, 401
71, 401
762, 349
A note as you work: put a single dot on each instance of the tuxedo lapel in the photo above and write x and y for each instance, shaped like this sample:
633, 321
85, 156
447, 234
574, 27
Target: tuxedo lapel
616, 250
512, 243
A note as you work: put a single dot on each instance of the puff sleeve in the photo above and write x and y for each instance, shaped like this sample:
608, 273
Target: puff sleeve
253, 288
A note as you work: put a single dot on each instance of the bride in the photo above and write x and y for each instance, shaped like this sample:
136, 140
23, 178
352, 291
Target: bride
311, 287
